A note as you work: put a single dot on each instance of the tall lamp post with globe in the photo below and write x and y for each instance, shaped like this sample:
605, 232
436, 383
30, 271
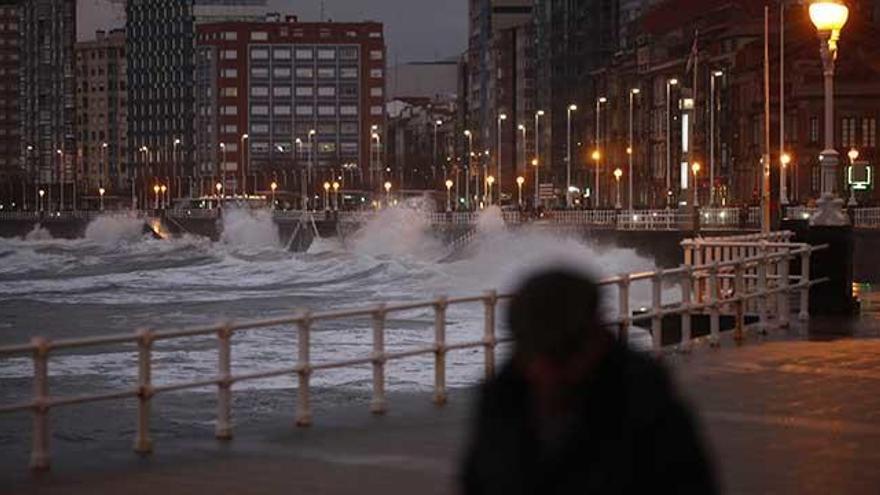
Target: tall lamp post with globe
829, 17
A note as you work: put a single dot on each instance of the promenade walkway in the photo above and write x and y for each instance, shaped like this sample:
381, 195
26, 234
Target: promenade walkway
793, 413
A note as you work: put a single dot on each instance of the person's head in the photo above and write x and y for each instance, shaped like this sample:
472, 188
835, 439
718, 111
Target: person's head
554, 319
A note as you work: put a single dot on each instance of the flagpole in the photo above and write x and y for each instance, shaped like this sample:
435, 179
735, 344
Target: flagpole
765, 185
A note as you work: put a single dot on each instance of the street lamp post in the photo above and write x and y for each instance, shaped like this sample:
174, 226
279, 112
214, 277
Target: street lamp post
103, 180
244, 167
629, 150
617, 174
61, 175
784, 160
387, 194
712, 132
222, 173
599, 102
437, 125
467, 169
448, 195
695, 168
164, 203
326, 196
501, 119
42, 193
853, 156
101, 192
829, 17
273, 186
156, 201
669, 84
306, 178
596, 156
537, 160
336, 197
571, 108
519, 183
219, 187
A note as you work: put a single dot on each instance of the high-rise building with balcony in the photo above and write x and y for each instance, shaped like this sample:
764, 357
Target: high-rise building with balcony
278, 96
47, 84
11, 164
161, 68
501, 75
102, 110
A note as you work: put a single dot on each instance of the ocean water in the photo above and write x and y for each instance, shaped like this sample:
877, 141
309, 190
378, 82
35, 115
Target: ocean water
117, 280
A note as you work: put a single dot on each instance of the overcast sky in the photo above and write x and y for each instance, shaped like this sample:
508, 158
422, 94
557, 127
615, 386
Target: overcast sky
414, 29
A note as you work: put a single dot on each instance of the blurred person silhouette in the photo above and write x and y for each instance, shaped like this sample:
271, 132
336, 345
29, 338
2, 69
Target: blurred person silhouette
576, 411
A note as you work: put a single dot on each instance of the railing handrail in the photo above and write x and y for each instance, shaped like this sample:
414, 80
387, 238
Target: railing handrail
756, 277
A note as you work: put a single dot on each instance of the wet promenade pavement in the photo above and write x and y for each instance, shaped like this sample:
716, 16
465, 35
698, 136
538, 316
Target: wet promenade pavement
797, 412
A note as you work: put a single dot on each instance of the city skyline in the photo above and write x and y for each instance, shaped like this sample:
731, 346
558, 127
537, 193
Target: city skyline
445, 37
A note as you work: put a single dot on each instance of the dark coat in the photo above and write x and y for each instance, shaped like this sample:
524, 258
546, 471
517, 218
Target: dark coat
629, 432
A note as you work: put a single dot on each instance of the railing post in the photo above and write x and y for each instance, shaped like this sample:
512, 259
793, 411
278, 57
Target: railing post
714, 310
656, 310
686, 283
623, 309
142, 443
303, 409
763, 265
490, 301
440, 351
379, 404
783, 284
805, 286
223, 430
40, 447
740, 291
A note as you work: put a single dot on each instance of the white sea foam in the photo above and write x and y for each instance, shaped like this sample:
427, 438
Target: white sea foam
249, 274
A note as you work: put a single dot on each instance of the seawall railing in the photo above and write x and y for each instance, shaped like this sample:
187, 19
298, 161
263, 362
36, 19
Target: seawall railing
751, 271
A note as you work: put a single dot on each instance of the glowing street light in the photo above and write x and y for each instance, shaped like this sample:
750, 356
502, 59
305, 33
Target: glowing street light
219, 188
519, 183
273, 186
156, 190
163, 189
101, 192
669, 84
571, 108
41, 193
597, 157
336, 187
449, 185
629, 149
538, 115
695, 168
599, 102
829, 17
326, 196
387, 193
617, 175
853, 155
501, 118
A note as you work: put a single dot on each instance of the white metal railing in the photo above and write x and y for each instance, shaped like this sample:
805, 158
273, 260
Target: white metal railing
652, 220
584, 217
49, 215
701, 293
200, 213
800, 212
728, 218
866, 218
